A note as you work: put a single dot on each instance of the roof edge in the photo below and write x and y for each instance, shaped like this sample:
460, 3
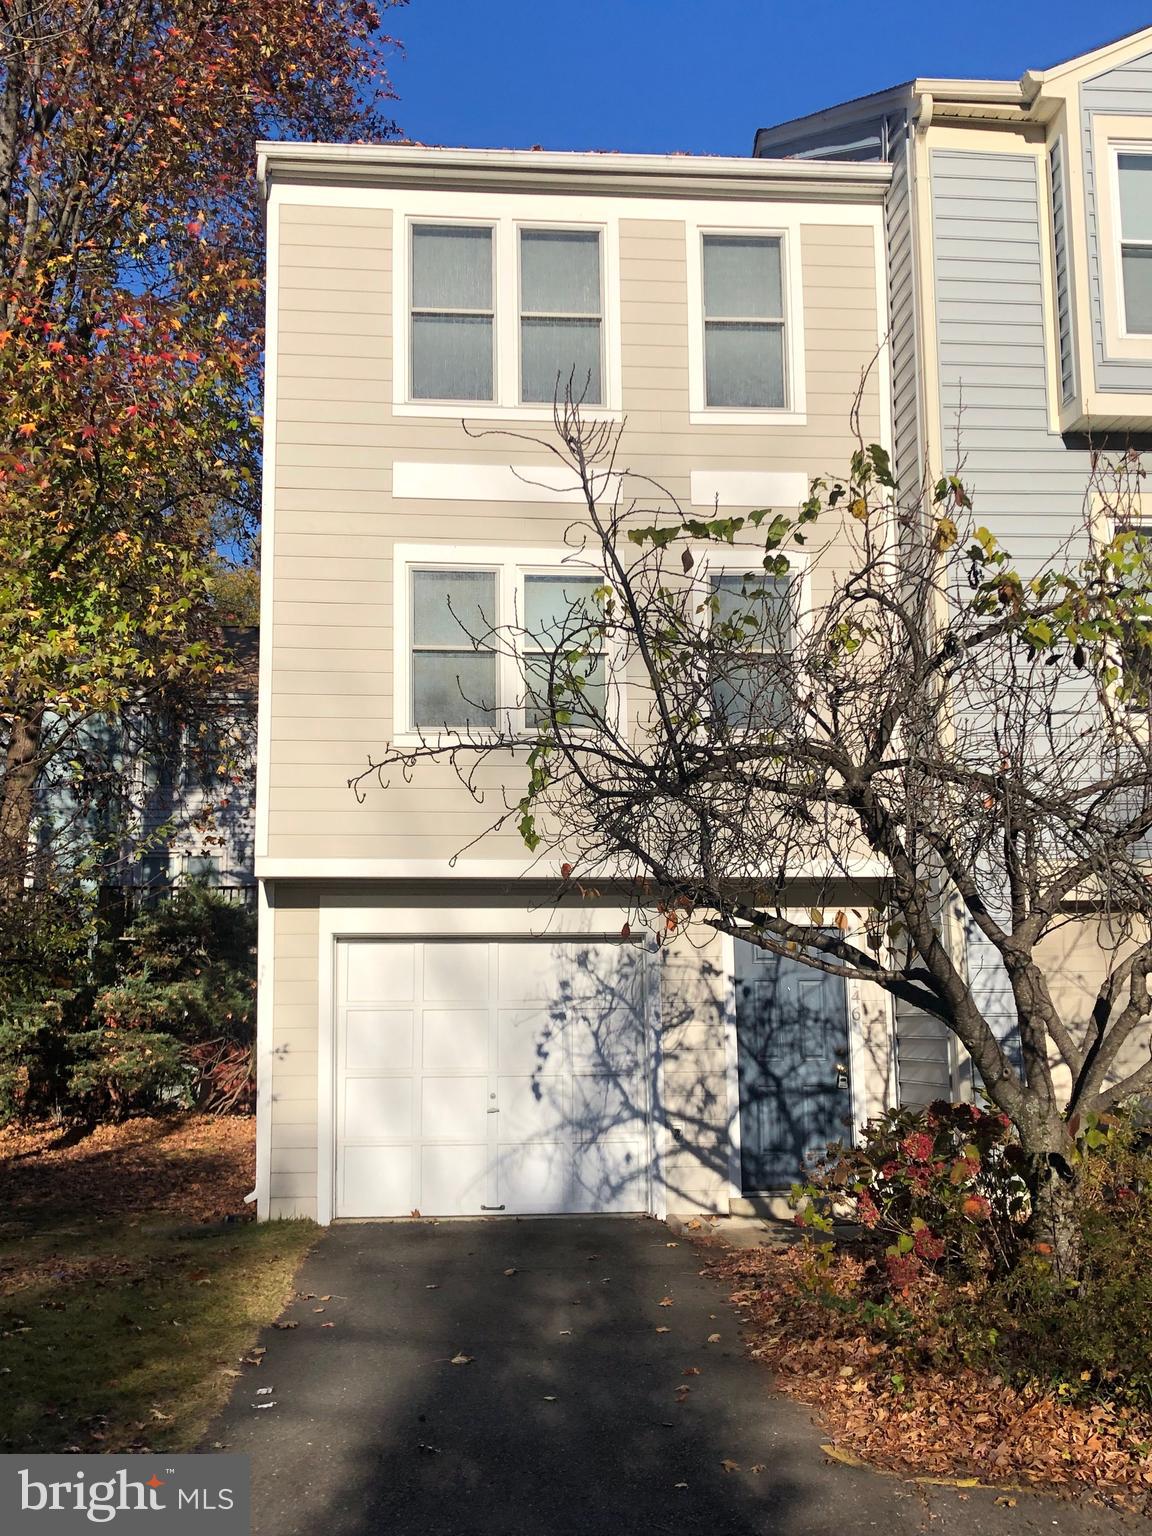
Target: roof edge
675, 175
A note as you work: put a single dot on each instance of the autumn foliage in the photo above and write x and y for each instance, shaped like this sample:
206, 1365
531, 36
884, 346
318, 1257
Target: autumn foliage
131, 253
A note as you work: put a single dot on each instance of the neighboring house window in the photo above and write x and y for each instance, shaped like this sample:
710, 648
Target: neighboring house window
453, 313
758, 615
202, 866
1134, 172
454, 661
477, 636
560, 316
744, 341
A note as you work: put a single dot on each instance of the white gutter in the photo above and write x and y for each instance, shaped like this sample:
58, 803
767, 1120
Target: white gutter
684, 175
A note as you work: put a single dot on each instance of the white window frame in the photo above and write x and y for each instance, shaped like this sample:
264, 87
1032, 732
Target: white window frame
511, 564
1118, 242
409, 259
1112, 137
599, 231
506, 219
794, 411
723, 559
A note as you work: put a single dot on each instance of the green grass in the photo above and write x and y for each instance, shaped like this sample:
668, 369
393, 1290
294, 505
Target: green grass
123, 1332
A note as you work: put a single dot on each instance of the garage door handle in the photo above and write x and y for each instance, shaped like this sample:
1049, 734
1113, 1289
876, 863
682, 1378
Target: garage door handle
491, 1207
493, 1111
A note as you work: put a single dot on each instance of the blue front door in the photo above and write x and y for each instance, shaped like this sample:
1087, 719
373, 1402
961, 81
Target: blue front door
792, 1033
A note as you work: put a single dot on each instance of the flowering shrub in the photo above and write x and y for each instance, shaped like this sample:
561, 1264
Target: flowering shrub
939, 1189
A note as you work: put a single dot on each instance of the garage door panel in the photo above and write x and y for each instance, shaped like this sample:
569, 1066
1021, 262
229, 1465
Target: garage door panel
375, 1179
604, 1040
610, 1175
535, 1180
380, 972
534, 1108
531, 1040
455, 973
379, 1039
454, 1109
454, 1040
454, 1179
608, 1105
526, 973
378, 1108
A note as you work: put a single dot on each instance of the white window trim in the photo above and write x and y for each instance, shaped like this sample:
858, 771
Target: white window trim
506, 224
511, 564
795, 413
749, 559
521, 226
407, 328
1112, 138
1116, 149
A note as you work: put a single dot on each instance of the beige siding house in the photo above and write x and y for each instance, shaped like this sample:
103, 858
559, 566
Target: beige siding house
436, 1033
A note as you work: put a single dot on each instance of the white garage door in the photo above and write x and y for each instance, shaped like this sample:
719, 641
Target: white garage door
504, 1076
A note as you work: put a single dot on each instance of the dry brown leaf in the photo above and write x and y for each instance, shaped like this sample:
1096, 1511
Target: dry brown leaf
461, 1359
511, 1272
713, 1338
285, 1326
730, 1466
692, 1370
662, 1329
665, 1301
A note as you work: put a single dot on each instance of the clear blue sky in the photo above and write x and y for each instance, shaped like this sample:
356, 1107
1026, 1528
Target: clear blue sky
659, 75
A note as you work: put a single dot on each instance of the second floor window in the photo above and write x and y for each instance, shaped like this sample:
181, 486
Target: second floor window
452, 312
560, 316
1135, 177
744, 322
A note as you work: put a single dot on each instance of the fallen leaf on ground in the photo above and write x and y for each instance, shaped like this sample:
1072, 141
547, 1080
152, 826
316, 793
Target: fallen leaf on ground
565, 1333
730, 1466
692, 1370
264, 1391
713, 1338
461, 1359
662, 1329
679, 1485
758, 1467
549, 1399
327, 1325
318, 1309
511, 1271
665, 1301
285, 1326
1005, 1502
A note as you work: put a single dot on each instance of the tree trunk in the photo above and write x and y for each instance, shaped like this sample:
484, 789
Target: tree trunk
18, 802
1055, 1222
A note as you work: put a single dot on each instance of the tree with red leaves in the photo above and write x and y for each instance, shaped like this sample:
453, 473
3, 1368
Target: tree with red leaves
131, 251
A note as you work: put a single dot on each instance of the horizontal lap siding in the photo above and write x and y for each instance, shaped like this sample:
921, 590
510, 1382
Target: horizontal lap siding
1028, 487
336, 521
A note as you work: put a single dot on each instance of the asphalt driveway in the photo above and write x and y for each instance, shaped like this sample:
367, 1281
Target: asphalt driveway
585, 1407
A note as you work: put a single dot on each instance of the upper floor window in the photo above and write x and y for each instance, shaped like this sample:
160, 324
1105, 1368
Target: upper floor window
1134, 172
490, 639
744, 340
560, 315
503, 314
453, 312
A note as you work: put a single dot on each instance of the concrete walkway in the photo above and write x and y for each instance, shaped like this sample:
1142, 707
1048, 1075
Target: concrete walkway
578, 1413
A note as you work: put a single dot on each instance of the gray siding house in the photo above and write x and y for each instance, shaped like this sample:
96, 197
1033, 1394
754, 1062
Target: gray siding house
1019, 248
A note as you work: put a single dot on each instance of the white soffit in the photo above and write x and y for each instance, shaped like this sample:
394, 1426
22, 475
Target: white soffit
493, 482
749, 487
